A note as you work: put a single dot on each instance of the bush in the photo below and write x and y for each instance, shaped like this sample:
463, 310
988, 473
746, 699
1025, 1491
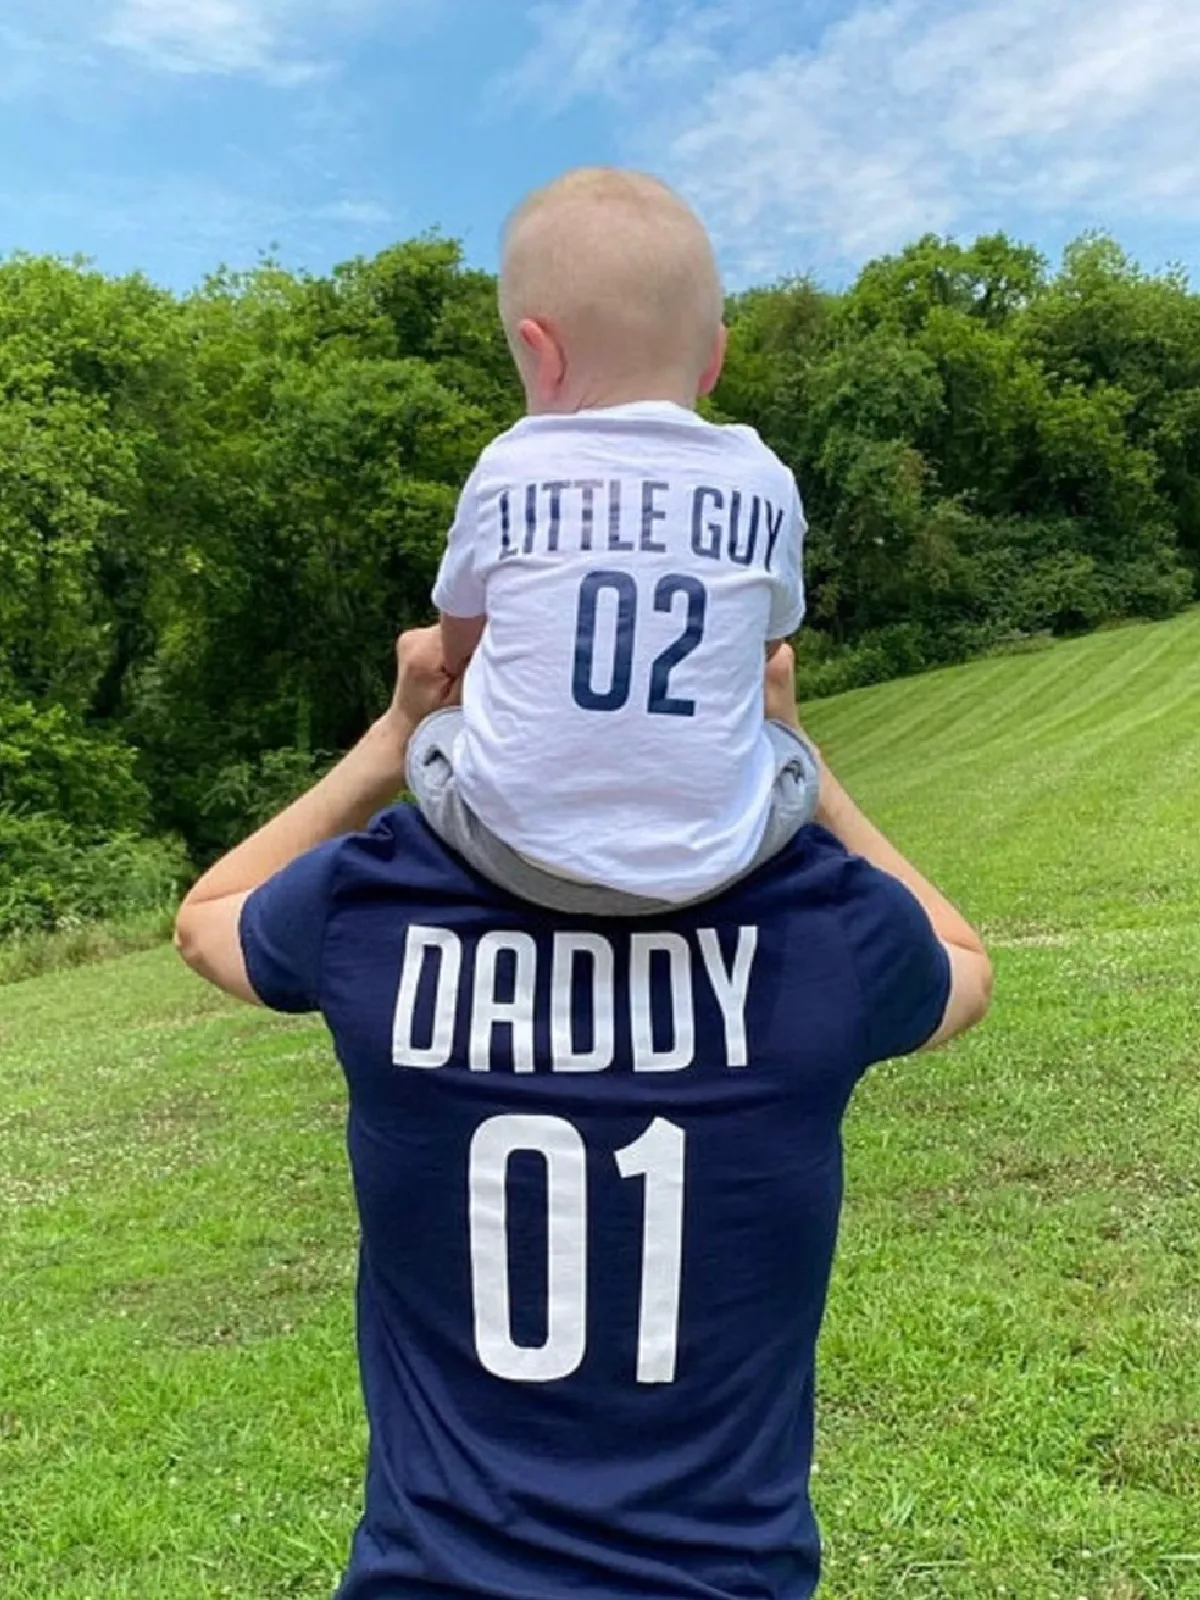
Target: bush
1153, 593
56, 877
30, 955
899, 651
50, 763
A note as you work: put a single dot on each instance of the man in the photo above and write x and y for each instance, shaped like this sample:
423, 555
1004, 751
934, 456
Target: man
598, 1172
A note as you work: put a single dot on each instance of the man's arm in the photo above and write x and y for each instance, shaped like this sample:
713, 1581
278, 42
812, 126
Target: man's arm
364, 782
970, 967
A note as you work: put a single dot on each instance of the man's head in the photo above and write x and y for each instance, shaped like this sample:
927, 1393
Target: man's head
610, 292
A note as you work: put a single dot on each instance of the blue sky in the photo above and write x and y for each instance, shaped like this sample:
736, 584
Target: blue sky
173, 135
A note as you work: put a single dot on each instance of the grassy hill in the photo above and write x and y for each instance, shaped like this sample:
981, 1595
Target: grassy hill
1011, 1371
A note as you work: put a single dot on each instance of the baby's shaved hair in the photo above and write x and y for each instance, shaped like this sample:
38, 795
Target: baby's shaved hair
621, 269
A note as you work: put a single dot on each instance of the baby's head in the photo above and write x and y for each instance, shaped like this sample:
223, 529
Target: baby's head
610, 293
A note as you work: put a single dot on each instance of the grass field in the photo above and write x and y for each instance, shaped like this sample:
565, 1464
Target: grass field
1011, 1369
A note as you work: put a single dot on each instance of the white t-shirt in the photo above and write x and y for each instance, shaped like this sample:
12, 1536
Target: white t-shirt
632, 564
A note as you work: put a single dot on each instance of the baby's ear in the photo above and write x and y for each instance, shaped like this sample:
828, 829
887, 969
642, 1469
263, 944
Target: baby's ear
547, 362
711, 375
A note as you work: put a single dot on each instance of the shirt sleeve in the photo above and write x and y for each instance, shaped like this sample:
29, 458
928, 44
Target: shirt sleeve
903, 968
787, 599
282, 931
459, 590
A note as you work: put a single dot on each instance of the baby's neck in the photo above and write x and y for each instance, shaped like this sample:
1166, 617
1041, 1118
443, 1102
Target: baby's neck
604, 397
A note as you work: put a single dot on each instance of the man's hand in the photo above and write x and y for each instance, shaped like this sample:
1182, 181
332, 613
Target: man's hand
424, 683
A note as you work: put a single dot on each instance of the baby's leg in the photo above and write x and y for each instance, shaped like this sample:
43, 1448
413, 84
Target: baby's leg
429, 769
794, 798
434, 786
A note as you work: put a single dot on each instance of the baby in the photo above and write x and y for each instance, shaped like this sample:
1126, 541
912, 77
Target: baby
616, 571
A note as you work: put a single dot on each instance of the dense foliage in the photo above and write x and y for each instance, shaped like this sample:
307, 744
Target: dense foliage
216, 511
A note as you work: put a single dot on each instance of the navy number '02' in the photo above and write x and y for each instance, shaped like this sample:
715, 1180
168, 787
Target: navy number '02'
661, 703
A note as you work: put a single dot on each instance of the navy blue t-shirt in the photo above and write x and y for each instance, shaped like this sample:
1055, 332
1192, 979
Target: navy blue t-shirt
599, 1174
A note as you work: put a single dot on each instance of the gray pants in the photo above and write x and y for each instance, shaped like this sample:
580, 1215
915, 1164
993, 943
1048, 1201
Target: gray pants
432, 781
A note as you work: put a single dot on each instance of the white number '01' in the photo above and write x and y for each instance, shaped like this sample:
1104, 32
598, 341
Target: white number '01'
658, 1157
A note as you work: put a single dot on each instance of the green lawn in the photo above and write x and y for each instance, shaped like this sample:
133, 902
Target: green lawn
1011, 1371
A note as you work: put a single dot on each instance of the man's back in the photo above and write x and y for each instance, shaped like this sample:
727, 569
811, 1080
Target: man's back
598, 1167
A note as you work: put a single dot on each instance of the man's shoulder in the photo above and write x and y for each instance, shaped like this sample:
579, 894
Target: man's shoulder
399, 853
901, 969
870, 926
816, 877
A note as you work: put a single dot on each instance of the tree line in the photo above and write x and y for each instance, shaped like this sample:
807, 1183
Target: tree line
217, 509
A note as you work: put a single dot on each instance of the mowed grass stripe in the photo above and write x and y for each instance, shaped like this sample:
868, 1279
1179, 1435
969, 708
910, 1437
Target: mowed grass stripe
1031, 698
1011, 1368
1075, 809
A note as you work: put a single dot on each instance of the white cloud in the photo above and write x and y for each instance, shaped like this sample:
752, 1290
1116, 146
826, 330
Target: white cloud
210, 36
357, 214
49, 47
610, 48
898, 117
266, 39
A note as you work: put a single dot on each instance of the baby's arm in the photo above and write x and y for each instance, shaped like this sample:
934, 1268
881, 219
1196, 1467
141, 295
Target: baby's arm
460, 636
787, 597
460, 593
